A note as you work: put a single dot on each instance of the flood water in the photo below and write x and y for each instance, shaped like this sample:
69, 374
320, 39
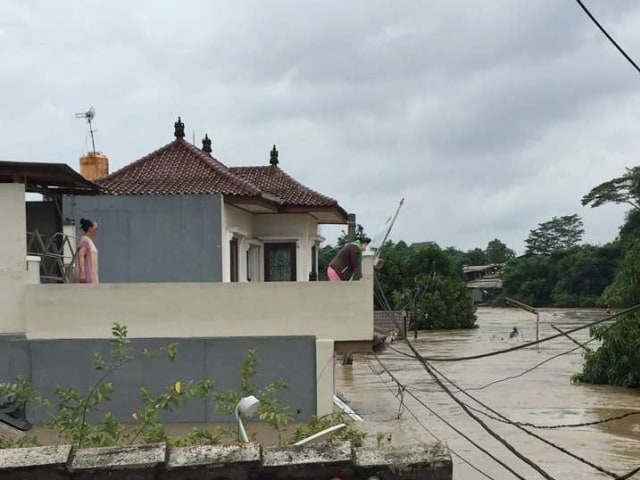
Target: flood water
544, 396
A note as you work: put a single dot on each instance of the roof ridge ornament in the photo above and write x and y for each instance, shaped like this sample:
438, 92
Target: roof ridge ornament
274, 157
178, 128
206, 144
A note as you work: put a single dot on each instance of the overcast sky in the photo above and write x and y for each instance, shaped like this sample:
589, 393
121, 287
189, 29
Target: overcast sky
487, 117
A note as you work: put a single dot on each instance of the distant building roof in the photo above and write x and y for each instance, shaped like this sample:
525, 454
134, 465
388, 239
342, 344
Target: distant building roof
480, 268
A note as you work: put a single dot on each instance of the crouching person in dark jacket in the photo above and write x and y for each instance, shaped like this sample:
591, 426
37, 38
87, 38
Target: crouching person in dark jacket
347, 264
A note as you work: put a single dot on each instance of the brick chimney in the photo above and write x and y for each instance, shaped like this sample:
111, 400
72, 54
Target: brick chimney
94, 165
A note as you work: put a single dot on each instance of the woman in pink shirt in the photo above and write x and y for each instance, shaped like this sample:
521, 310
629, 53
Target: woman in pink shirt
87, 254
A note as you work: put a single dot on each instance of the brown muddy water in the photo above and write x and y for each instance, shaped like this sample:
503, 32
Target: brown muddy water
544, 396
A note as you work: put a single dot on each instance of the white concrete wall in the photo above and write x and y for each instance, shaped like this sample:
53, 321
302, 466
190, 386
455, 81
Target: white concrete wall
13, 257
325, 377
265, 228
13, 241
236, 223
327, 310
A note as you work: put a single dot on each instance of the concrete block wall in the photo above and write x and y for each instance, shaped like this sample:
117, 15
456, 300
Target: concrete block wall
68, 363
230, 462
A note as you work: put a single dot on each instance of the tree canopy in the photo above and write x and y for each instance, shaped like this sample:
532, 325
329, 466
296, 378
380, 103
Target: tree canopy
498, 252
617, 360
624, 189
427, 282
559, 233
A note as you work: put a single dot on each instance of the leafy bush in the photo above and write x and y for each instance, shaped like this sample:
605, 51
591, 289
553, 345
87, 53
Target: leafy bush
426, 281
70, 409
444, 303
617, 360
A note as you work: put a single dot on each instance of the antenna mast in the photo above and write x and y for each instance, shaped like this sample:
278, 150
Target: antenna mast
89, 115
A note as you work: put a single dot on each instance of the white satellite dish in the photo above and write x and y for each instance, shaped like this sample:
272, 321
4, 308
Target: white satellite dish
89, 115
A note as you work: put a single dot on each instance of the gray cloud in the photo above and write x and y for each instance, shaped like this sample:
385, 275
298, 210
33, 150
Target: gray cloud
487, 117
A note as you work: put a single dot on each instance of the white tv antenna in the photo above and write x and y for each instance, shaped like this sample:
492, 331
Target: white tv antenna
89, 115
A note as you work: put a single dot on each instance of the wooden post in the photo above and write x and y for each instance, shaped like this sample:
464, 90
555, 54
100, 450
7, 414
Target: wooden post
351, 227
404, 319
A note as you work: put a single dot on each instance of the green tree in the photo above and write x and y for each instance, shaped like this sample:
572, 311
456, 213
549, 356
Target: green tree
392, 275
458, 257
443, 302
426, 281
498, 252
617, 360
430, 260
624, 189
559, 233
582, 274
624, 291
477, 256
630, 229
529, 279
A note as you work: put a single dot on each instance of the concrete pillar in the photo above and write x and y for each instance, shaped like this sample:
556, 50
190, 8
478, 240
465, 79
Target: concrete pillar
367, 265
324, 377
13, 241
13, 255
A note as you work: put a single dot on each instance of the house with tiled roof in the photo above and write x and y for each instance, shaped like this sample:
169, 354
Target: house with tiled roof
180, 214
190, 251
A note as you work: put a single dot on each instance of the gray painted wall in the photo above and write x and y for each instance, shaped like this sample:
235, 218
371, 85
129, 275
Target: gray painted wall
69, 363
153, 238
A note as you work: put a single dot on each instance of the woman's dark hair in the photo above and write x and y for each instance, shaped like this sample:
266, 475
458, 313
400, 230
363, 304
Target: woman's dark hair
86, 224
364, 239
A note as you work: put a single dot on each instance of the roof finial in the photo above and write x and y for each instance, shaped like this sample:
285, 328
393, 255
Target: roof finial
274, 157
178, 129
206, 144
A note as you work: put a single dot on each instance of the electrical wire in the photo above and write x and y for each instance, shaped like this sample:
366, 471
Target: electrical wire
508, 421
593, 19
528, 370
532, 343
424, 427
528, 432
629, 474
424, 361
552, 427
511, 377
501, 418
458, 431
517, 347
429, 369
